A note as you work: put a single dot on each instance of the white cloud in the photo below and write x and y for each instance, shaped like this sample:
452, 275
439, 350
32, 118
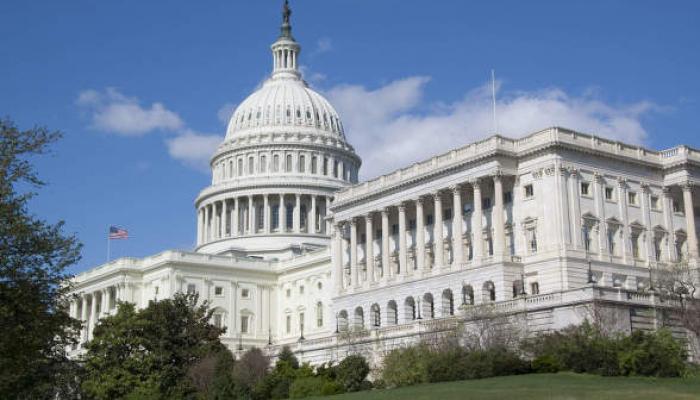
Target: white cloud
111, 111
225, 112
323, 45
194, 149
388, 120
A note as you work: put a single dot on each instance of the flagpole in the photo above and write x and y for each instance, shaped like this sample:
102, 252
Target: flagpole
108, 245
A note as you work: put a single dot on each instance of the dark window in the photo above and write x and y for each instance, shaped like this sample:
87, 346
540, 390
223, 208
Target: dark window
395, 229
508, 197
529, 191
447, 214
429, 219
486, 203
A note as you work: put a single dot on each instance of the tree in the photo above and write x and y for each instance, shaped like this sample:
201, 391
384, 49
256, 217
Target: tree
34, 255
134, 353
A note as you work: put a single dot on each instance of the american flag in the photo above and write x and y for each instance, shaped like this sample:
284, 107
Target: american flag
118, 233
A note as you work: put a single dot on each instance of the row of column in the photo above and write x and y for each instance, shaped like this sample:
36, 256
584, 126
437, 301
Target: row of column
238, 216
403, 270
89, 307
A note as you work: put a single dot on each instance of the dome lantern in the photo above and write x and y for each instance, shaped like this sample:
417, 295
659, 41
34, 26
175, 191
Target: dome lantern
285, 50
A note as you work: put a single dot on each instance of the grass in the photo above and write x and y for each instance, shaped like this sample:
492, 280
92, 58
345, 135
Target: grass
561, 386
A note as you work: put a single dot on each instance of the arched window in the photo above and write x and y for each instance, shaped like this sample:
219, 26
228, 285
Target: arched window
335, 169
343, 321
251, 165
489, 291
302, 164
428, 306
288, 164
392, 317
240, 166
325, 166
409, 307
448, 304
467, 295
314, 164
359, 318
263, 164
275, 163
319, 314
375, 315
230, 169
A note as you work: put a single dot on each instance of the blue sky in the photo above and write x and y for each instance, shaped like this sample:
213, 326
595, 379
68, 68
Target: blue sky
140, 89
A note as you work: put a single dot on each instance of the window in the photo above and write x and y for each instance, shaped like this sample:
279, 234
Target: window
429, 219
263, 164
411, 224
261, 217
508, 197
244, 323
447, 214
302, 164
532, 240
635, 245
156, 290
303, 215
632, 198
395, 229
240, 166
288, 324
289, 292
217, 320
363, 238
585, 188
275, 163
191, 288
319, 314
301, 322
219, 291
251, 165
314, 165
486, 203
319, 286
288, 165
654, 203
325, 166
676, 206
609, 193
301, 289
290, 216
535, 288
245, 293
529, 191
275, 217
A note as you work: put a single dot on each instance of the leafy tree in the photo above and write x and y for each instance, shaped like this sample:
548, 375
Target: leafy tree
147, 353
34, 255
352, 373
286, 354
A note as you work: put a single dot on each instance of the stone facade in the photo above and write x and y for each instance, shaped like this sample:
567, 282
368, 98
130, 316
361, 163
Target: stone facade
291, 249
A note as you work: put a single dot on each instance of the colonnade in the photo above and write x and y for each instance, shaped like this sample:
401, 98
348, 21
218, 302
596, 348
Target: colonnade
283, 213
430, 249
89, 307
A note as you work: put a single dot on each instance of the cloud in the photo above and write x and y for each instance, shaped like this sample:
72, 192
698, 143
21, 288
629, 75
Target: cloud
392, 119
323, 45
225, 112
111, 111
193, 149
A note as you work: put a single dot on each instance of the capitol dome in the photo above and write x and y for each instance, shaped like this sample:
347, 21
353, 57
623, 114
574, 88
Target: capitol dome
274, 177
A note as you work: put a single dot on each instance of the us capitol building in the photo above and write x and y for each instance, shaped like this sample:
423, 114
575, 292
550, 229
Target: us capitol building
293, 249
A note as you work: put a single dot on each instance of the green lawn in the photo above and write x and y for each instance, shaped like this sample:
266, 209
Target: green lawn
562, 386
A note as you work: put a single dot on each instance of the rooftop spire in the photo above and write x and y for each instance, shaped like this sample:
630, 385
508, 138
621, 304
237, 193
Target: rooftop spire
286, 28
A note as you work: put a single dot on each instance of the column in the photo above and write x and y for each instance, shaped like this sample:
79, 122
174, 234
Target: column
200, 226
207, 216
327, 226
477, 223
648, 231
498, 225
283, 214
385, 244
266, 215
93, 314
353, 253
690, 220
575, 197
251, 219
403, 267
311, 224
457, 226
624, 229
84, 318
231, 331
439, 250
227, 217
337, 251
221, 219
104, 302
369, 247
668, 219
297, 214
565, 223
600, 213
234, 223
420, 235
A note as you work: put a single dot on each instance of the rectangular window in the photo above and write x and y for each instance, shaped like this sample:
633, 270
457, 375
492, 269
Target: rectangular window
275, 217
245, 293
609, 193
395, 229
486, 203
508, 197
251, 165
240, 166
654, 203
219, 291
534, 288
632, 198
261, 217
585, 188
363, 238
301, 289
302, 164
529, 191
217, 320
325, 166
301, 322
447, 214
288, 293
314, 165
191, 288
288, 325
429, 219
263, 164
676, 206
244, 324
412, 224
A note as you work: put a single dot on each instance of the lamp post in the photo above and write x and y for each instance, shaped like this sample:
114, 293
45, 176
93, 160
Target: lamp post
419, 317
337, 330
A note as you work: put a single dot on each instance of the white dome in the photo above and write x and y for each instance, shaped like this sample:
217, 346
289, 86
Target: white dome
285, 104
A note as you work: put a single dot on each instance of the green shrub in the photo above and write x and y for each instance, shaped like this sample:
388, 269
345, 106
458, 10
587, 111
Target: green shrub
652, 354
546, 364
404, 367
314, 386
352, 373
445, 365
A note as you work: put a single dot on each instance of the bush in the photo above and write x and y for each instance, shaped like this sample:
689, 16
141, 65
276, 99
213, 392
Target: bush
546, 364
445, 365
404, 367
314, 386
652, 354
352, 373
